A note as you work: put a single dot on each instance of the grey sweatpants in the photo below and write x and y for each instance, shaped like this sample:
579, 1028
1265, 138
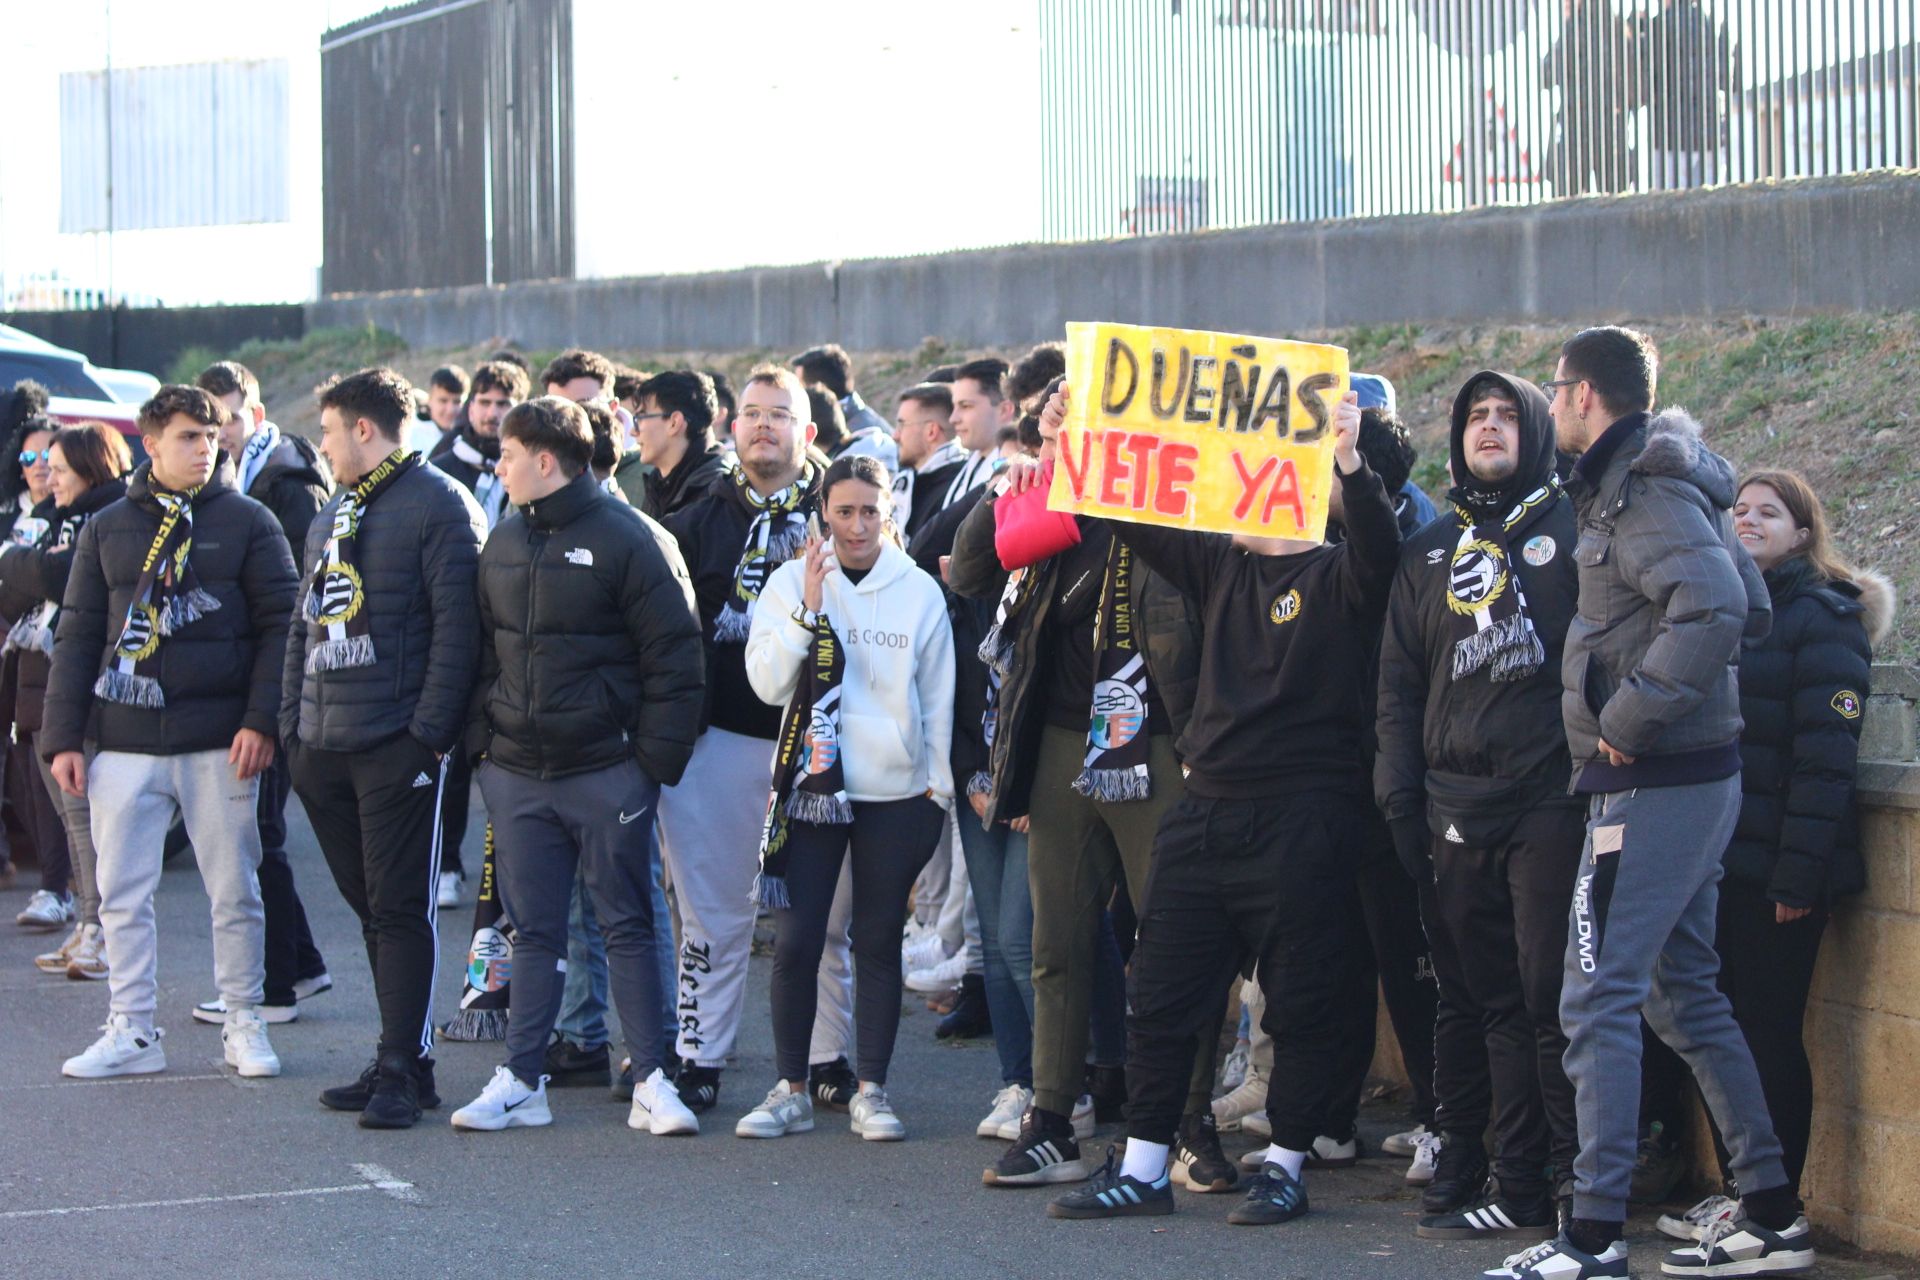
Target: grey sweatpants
1640, 941
546, 829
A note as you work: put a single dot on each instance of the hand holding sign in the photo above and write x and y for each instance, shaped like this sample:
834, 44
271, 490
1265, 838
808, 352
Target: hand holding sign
1196, 430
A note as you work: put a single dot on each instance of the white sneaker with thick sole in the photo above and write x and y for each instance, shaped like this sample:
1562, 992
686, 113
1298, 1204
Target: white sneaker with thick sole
1248, 1098
307, 988
1558, 1259
1003, 1121
1333, 1153
1403, 1144
1694, 1224
1426, 1157
943, 976
122, 1050
46, 911
873, 1117
245, 1043
1738, 1246
214, 1012
657, 1108
1083, 1118
56, 961
781, 1112
505, 1103
87, 962
451, 883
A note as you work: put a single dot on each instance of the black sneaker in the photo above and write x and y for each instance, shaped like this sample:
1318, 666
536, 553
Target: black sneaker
1273, 1196
1561, 1259
623, 1083
833, 1084
1112, 1194
355, 1096
395, 1103
1198, 1162
1107, 1086
1500, 1215
1459, 1175
1045, 1152
969, 1019
1739, 1246
568, 1065
1659, 1166
698, 1087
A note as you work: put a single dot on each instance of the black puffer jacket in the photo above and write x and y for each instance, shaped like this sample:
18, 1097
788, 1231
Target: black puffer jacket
1172, 651
1472, 750
692, 480
1803, 690
294, 483
219, 674
30, 576
590, 649
416, 552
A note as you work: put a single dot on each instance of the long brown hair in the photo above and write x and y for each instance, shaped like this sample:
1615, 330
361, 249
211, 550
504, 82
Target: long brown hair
94, 451
1804, 509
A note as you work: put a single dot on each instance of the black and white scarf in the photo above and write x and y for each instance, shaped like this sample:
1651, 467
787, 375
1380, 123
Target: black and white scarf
996, 653
487, 489
336, 599
35, 628
776, 535
1491, 625
809, 780
1118, 748
254, 456
485, 987
167, 597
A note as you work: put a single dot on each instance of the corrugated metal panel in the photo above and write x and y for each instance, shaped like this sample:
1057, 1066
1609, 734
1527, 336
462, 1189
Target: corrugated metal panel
199, 145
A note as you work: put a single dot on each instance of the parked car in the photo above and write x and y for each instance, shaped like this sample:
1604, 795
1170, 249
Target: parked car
77, 389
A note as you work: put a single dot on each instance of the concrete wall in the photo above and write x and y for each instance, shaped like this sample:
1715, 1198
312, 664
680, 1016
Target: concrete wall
1776, 248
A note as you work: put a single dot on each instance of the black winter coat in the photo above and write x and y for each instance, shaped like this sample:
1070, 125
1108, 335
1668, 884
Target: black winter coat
590, 650
29, 576
692, 480
417, 552
1803, 689
218, 674
294, 483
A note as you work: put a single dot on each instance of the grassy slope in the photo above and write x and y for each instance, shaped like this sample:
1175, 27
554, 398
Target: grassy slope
1831, 396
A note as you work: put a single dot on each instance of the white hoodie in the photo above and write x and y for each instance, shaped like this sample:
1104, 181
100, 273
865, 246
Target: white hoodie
896, 696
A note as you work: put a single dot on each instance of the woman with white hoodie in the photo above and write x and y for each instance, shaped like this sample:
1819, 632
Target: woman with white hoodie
853, 640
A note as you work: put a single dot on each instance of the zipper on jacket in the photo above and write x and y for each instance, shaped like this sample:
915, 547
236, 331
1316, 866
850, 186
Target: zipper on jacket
536, 543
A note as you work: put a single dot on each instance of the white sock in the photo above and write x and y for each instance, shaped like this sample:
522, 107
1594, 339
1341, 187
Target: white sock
1146, 1161
1292, 1161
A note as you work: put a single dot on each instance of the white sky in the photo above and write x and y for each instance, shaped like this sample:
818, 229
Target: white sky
857, 94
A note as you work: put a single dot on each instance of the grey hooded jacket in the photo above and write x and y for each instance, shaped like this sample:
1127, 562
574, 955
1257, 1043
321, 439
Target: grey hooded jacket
1666, 595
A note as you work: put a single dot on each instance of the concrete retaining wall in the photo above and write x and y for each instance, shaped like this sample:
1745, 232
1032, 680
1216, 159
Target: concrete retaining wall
1776, 248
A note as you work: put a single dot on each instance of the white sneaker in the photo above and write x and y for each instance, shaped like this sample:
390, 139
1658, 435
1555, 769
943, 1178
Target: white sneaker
1426, 1157
1695, 1223
451, 883
122, 1050
657, 1108
1333, 1153
307, 988
55, 961
215, 1013
1003, 1121
88, 959
1082, 1117
505, 1104
943, 976
247, 1048
1403, 1144
782, 1112
1232, 1109
923, 952
46, 911
873, 1117
1233, 1072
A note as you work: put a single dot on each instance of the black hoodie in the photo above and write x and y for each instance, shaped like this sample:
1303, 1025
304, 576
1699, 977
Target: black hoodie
294, 483
1472, 752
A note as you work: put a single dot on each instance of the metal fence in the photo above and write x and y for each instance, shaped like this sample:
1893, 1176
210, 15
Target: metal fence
1174, 115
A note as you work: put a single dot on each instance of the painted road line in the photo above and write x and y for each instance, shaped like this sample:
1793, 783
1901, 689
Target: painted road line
374, 1178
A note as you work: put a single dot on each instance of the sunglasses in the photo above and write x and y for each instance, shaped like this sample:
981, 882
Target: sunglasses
30, 456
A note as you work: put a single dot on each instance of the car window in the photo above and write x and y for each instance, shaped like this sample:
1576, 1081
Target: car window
60, 377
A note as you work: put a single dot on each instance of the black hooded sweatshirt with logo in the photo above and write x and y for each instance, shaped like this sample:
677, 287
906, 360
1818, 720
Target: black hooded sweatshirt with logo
1472, 748
1285, 648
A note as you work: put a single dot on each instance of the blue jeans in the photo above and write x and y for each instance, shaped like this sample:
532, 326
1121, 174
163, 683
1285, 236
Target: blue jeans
583, 1004
997, 870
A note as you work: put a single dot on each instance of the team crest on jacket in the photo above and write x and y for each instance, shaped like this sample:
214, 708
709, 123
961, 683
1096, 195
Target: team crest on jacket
1118, 713
1539, 551
1477, 577
1285, 608
1847, 703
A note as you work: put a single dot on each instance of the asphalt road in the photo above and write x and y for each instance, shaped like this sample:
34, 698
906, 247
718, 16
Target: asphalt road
195, 1171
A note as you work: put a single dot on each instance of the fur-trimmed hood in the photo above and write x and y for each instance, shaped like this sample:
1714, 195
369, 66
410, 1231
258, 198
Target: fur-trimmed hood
1877, 599
1675, 448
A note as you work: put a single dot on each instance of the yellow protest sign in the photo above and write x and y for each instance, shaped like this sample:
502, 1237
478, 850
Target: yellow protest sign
1197, 430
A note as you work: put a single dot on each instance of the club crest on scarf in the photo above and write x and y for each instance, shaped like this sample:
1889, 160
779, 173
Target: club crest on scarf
1492, 627
1477, 576
809, 781
336, 597
1118, 749
166, 598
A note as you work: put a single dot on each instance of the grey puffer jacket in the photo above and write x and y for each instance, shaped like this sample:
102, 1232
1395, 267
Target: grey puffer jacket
1666, 595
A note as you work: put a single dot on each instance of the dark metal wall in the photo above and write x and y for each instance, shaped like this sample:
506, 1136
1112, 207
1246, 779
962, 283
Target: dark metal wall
1175, 115
149, 338
447, 146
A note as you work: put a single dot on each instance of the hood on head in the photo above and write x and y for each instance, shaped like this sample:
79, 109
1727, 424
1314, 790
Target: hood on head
1675, 448
1536, 434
